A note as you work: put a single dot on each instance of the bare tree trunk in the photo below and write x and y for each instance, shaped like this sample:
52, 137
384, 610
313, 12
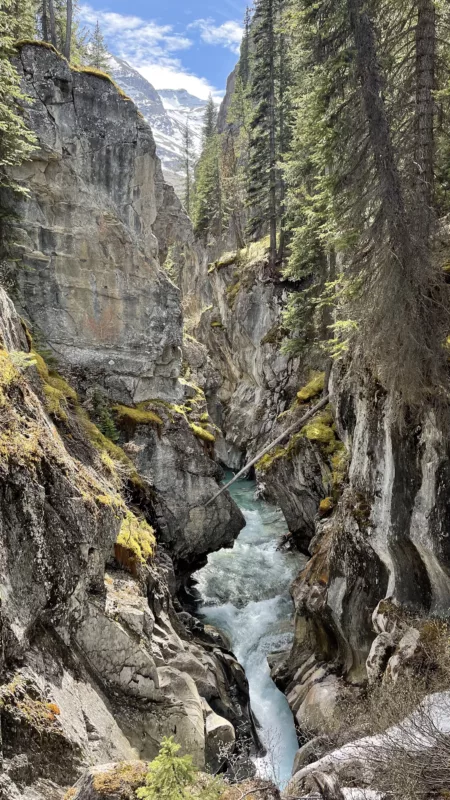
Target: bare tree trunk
272, 142
68, 42
425, 111
44, 21
51, 15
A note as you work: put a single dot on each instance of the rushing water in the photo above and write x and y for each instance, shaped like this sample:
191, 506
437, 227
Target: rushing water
245, 594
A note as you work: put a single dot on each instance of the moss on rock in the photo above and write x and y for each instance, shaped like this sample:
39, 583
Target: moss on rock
313, 388
201, 433
138, 536
140, 415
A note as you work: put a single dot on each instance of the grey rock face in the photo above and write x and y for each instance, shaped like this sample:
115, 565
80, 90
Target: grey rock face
185, 479
91, 282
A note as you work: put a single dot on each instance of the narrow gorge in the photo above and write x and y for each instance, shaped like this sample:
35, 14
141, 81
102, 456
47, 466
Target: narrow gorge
289, 634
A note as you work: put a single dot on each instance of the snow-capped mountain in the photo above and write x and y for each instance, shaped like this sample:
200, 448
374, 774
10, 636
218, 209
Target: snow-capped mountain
167, 111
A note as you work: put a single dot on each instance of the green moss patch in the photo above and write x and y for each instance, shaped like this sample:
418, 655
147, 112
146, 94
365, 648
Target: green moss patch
201, 433
313, 388
98, 73
141, 415
137, 536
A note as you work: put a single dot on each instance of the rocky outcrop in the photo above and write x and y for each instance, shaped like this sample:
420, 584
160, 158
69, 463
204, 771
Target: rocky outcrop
91, 234
384, 547
247, 381
96, 666
91, 282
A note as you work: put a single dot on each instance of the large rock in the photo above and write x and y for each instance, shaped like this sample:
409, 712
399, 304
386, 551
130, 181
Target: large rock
90, 277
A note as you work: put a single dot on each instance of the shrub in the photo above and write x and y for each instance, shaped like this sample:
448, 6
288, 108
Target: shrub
174, 777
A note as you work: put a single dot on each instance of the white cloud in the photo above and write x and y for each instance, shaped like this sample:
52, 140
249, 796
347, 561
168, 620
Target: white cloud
150, 48
166, 76
228, 34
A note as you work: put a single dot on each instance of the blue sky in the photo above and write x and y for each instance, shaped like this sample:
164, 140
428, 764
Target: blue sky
190, 44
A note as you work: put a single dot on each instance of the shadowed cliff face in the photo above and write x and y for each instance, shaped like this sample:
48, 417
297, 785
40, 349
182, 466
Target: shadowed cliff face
91, 280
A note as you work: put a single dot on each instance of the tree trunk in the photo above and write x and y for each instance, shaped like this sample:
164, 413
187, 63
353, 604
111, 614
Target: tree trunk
379, 132
44, 21
51, 15
68, 42
272, 139
425, 111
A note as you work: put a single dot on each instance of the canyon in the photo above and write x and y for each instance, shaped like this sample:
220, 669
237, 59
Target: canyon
102, 653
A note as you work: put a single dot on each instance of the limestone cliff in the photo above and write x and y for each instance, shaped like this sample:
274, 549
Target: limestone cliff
98, 660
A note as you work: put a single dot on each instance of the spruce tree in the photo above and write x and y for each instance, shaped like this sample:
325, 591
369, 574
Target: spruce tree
244, 60
173, 777
16, 141
98, 54
207, 203
361, 180
209, 120
262, 193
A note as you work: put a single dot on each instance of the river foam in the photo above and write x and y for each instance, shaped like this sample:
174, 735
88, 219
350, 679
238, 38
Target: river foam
245, 594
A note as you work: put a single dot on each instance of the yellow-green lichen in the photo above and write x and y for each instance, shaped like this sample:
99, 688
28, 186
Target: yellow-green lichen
201, 433
58, 393
232, 292
320, 428
120, 780
326, 506
70, 794
141, 415
313, 388
138, 536
8, 374
266, 462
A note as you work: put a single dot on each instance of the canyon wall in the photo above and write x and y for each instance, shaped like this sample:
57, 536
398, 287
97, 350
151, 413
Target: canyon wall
98, 659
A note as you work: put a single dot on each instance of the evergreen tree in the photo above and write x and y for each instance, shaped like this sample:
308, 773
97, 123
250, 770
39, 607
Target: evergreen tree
262, 193
16, 141
173, 777
207, 203
98, 54
244, 60
187, 158
361, 181
209, 120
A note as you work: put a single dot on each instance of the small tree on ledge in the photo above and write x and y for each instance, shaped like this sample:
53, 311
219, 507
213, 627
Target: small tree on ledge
174, 777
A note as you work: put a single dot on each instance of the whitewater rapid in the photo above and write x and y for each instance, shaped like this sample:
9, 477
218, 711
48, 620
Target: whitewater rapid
245, 594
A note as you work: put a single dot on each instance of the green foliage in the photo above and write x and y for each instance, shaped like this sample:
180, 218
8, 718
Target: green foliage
103, 416
138, 536
16, 141
174, 777
97, 52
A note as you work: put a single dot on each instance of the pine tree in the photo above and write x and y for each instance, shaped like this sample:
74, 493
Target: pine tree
58, 22
209, 120
187, 158
98, 54
207, 202
16, 141
173, 777
263, 156
361, 180
244, 60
